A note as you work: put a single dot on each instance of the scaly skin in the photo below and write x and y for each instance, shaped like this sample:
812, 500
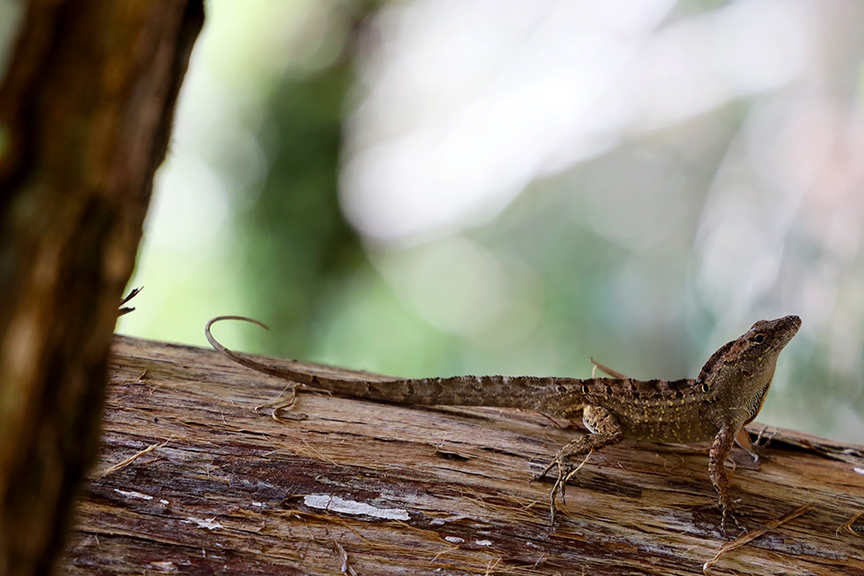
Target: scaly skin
727, 394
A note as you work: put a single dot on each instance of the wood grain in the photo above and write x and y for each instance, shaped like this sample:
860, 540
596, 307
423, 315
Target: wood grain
346, 486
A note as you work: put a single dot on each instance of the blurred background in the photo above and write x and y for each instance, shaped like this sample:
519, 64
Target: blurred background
439, 187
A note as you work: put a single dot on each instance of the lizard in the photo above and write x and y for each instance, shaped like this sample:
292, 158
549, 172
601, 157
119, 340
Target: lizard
727, 394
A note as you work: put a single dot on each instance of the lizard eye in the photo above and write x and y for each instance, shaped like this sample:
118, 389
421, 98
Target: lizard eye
759, 338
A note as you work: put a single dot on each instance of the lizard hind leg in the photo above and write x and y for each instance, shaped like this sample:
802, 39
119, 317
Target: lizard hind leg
604, 430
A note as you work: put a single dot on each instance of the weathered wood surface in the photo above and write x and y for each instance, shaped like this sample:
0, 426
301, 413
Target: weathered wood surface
345, 486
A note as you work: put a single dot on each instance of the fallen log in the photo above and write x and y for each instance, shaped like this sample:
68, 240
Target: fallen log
193, 480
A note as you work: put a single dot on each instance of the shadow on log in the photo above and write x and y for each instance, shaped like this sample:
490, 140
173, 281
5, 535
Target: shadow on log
193, 480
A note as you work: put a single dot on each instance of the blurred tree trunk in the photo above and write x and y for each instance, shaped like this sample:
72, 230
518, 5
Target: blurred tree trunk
85, 117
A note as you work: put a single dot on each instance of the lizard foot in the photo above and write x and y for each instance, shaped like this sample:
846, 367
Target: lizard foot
605, 430
729, 515
566, 471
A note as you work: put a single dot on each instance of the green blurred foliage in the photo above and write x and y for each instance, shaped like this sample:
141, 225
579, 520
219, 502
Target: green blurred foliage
606, 258
294, 239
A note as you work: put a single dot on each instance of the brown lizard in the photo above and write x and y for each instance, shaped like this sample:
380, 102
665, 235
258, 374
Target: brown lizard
727, 394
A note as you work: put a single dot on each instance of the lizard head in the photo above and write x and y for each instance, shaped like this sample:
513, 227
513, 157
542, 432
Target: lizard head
747, 363
769, 336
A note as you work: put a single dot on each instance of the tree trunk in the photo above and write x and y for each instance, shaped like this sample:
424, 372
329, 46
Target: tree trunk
85, 116
193, 480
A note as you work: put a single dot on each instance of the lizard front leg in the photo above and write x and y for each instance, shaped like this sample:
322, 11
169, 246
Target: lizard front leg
720, 449
604, 430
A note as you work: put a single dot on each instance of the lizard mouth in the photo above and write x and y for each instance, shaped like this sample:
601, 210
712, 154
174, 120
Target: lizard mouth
793, 321
788, 326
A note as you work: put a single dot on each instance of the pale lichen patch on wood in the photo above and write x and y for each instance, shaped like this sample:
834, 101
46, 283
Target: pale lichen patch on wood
353, 507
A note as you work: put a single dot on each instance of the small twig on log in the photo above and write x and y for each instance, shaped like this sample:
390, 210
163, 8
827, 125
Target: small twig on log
126, 462
847, 526
750, 536
343, 557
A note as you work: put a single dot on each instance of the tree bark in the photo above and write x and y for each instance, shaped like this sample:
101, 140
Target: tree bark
85, 116
193, 480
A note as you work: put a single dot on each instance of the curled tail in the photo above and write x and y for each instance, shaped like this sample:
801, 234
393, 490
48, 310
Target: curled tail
527, 392
279, 372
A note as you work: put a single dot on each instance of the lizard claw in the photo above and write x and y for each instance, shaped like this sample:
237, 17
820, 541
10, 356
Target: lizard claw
566, 471
556, 487
729, 514
724, 525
